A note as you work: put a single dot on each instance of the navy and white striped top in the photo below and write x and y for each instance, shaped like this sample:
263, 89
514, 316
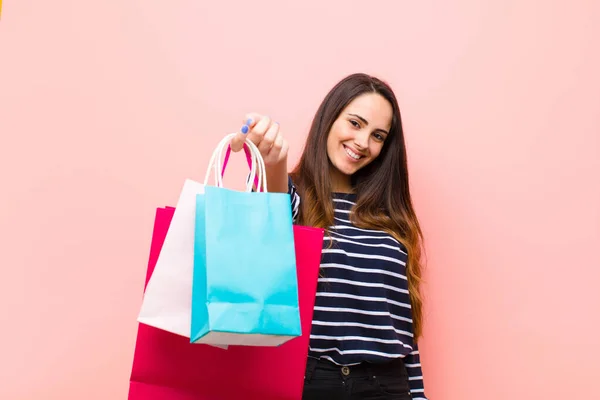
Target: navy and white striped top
362, 309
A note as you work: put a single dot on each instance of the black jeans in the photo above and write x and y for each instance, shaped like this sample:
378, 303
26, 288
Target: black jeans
325, 380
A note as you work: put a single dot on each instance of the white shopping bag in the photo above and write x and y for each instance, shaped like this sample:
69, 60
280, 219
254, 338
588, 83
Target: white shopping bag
167, 301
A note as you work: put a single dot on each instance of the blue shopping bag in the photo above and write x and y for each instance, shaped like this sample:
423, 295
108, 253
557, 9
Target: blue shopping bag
244, 289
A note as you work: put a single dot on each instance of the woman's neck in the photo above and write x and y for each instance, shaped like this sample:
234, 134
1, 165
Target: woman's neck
340, 183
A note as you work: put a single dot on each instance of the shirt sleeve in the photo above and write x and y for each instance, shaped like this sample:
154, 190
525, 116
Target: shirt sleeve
415, 375
295, 199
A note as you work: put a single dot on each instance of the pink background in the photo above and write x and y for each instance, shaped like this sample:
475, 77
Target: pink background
107, 106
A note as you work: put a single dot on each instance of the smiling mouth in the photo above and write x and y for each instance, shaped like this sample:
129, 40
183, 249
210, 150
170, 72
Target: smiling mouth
352, 154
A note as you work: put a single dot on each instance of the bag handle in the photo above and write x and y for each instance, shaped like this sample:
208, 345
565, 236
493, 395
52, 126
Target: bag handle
253, 156
248, 160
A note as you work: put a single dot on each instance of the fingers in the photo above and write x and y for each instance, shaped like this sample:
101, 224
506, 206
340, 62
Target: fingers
283, 153
265, 134
268, 139
274, 152
258, 131
237, 143
251, 119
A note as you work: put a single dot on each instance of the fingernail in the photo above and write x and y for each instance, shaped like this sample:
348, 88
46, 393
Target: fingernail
249, 122
245, 129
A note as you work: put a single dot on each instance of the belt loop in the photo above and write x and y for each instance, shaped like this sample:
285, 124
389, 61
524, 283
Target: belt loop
311, 365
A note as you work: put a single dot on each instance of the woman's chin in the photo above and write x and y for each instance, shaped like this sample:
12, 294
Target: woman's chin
349, 170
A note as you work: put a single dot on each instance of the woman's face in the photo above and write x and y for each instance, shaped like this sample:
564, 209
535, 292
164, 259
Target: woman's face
358, 134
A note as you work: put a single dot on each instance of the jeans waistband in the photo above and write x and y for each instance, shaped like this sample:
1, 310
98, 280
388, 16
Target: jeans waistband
395, 366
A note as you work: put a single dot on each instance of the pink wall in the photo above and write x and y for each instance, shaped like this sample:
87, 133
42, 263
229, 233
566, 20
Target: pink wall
106, 106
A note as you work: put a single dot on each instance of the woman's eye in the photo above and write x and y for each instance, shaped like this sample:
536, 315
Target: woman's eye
354, 123
379, 137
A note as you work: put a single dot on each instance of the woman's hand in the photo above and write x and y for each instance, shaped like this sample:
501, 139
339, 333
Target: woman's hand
266, 135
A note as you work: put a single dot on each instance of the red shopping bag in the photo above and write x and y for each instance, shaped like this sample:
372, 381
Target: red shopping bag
168, 367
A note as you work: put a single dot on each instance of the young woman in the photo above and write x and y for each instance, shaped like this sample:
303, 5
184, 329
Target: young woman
352, 180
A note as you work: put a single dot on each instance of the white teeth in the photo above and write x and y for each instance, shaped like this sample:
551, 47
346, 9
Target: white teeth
352, 154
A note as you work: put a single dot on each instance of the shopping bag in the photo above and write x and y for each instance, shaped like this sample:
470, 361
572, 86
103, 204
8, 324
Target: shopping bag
245, 289
168, 367
167, 302
162, 221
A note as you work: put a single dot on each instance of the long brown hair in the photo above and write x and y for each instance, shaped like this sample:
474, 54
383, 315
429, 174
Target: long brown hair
382, 187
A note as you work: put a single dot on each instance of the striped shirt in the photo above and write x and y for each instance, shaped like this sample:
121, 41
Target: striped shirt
362, 308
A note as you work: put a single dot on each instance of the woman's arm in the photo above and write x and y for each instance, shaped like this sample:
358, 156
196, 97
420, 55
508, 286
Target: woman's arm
277, 177
415, 374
